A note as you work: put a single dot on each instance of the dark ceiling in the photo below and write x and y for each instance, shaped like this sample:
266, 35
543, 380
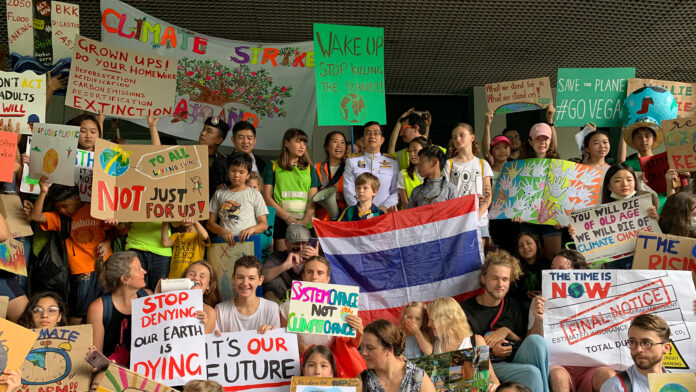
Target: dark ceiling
447, 47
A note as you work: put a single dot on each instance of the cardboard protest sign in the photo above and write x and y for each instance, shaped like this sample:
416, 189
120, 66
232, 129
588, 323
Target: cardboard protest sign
544, 191
349, 74
666, 382
143, 183
665, 252
222, 257
273, 356
168, 342
588, 313
594, 95
84, 165
22, 99
4, 301
28, 184
519, 95
320, 384
53, 150
57, 360
12, 257
319, 308
8, 153
16, 342
20, 33
65, 25
42, 32
611, 229
654, 169
463, 370
683, 93
680, 140
120, 82
119, 379
11, 208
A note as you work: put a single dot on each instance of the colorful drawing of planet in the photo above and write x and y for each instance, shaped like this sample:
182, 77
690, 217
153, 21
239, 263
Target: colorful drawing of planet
50, 161
115, 161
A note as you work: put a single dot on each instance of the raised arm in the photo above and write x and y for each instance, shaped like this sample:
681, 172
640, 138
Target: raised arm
486, 140
154, 134
550, 114
395, 132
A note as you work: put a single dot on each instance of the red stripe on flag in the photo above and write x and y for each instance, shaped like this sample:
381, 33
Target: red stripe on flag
255, 386
398, 220
394, 314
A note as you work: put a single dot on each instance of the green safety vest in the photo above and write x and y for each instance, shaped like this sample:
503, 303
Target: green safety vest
402, 158
410, 183
291, 190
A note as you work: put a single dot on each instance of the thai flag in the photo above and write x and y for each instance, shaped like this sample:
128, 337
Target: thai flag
418, 254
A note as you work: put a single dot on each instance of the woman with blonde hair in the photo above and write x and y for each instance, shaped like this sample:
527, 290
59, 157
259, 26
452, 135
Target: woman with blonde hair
452, 332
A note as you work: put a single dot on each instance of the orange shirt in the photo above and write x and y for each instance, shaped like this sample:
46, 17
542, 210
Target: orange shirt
85, 235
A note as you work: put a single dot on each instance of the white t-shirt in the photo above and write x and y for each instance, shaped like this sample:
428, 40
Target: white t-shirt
466, 343
238, 210
230, 320
639, 382
307, 339
468, 179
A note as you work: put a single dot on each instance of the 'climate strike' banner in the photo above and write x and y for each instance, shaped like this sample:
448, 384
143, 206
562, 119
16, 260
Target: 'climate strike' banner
119, 82
591, 95
251, 362
318, 308
588, 314
519, 95
22, 99
665, 252
168, 340
611, 229
680, 140
349, 74
269, 85
142, 183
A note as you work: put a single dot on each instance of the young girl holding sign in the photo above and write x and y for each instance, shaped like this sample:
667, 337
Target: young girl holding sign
290, 182
596, 148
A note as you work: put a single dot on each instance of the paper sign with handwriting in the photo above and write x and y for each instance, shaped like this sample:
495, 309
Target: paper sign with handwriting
22, 99
519, 95
656, 251
53, 151
680, 140
8, 153
318, 308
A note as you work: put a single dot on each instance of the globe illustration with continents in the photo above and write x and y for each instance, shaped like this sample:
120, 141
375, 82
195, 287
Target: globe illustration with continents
576, 290
353, 108
115, 161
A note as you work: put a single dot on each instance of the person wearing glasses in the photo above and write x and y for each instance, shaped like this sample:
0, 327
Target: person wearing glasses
45, 310
384, 167
648, 340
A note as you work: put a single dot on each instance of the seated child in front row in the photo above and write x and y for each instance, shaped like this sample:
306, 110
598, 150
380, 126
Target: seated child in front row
241, 209
414, 324
366, 187
435, 187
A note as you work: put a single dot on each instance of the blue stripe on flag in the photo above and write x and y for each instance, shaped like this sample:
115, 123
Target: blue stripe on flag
422, 263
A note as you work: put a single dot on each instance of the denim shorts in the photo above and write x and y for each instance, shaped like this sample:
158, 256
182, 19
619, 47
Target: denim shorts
84, 288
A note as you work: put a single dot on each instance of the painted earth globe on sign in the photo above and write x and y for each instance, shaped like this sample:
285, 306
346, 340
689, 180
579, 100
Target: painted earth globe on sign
673, 387
115, 161
353, 108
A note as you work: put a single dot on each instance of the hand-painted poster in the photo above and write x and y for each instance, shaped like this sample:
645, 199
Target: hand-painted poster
56, 362
22, 99
666, 382
248, 361
119, 379
269, 85
324, 384
20, 33
656, 251
120, 82
53, 151
143, 183
519, 95
12, 257
595, 95
544, 191
16, 342
65, 25
223, 256
8, 153
611, 229
588, 313
11, 208
654, 169
28, 184
168, 341
349, 74
84, 165
683, 93
464, 370
318, 308
680, 140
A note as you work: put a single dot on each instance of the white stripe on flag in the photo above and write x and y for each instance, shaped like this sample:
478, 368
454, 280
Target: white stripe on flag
387, 299
401, 237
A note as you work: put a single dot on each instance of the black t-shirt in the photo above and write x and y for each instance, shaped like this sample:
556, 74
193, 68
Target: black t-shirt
217, 172
480, 317
531, 280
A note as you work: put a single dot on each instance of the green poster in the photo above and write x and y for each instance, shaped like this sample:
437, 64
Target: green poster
349, 73
595, 95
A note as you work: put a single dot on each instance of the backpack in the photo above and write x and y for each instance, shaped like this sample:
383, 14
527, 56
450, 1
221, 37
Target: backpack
50, 271
625, 380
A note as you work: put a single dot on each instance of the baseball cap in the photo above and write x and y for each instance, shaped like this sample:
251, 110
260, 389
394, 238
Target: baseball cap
500, 139
297, 233
540, 129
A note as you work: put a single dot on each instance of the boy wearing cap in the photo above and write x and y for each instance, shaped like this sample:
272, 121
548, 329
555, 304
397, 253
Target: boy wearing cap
281, 268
